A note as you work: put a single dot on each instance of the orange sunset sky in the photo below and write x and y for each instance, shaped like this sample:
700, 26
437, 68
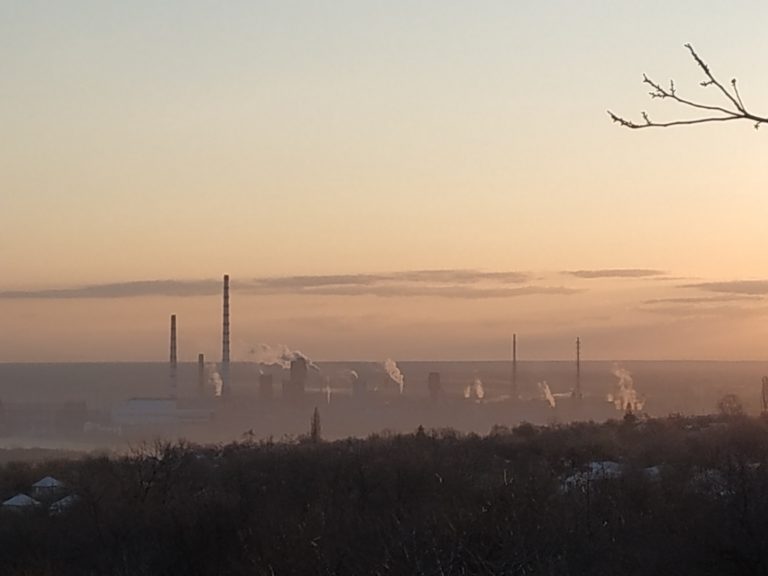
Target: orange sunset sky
381, 179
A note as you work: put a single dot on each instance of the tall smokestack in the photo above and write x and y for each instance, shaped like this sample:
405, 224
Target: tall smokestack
201, 374
577, 388
225, 340
513, 388
173, 358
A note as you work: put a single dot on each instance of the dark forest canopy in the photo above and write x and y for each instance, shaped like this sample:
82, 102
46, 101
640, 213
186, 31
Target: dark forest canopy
670, 496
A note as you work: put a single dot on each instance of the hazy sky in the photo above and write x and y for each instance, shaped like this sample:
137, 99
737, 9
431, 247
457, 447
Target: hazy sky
180, 140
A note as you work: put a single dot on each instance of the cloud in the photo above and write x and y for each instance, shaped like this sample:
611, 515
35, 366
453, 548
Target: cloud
742, 287
467, 284
461, 276
726, 305
415, 277
615, 273
694, 311
411, 291
178, 288
703, 300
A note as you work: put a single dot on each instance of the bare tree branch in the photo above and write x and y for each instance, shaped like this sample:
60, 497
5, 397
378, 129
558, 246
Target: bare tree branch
734, 109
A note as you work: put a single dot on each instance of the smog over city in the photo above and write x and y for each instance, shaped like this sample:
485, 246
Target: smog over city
383, 288
217, 392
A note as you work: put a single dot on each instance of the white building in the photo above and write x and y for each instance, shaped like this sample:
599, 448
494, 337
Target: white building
48, 487
20, 502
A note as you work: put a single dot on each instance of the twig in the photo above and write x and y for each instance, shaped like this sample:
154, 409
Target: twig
733, 110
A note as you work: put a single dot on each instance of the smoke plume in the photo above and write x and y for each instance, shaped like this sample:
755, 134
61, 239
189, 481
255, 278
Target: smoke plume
279, 355
350, 376
215, 378
394, 372
475, 390
328, 389
546, 393
625, 396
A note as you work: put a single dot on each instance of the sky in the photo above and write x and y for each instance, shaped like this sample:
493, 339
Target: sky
449, 165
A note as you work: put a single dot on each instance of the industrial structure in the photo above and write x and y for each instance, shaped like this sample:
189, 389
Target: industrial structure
44, 418
513, 384
295, 386
173, 358
178, 397
162, 412
577, 388
201, 375
225, 368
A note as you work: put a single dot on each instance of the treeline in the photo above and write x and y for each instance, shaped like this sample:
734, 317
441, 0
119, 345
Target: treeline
685, 496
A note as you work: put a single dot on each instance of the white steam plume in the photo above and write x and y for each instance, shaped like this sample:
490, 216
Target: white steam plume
625, 396
280, 355
547, 393
350, 376
394, 372
475, 389
479, 390
215, 378
328, 389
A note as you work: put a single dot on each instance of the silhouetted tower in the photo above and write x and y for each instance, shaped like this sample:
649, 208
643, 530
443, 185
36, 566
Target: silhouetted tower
434, 386
173, 357
513, 386
225, 340
577, 388
299, 371
201, 374
765, 395
293, 388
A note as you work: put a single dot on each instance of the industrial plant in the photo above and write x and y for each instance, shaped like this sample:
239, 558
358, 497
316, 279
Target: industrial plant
219, 401
273, 390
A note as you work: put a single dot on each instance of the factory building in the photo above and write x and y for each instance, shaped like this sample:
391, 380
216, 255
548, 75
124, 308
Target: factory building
44, 418
159, 412
295, 386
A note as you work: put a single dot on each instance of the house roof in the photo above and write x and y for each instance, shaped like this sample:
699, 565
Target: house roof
48, 482
21, 501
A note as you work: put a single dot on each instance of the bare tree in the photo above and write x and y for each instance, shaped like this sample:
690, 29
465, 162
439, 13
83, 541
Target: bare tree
733, 107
